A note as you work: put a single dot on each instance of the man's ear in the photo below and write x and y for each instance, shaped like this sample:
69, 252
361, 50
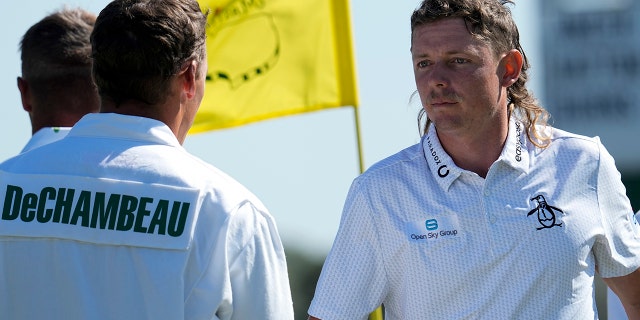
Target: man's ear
189, 79
512, 63
25, 94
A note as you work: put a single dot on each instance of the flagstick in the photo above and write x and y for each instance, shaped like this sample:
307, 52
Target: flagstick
376, 314
356, 114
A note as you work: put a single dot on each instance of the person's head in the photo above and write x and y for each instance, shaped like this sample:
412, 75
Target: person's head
56, 86
141, 48
490, 24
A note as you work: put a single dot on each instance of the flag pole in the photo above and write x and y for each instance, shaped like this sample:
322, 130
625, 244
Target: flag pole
356, 114
376, 314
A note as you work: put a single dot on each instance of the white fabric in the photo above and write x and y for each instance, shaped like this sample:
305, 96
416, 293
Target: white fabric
432, 241
44, 136
615, 310
118, 221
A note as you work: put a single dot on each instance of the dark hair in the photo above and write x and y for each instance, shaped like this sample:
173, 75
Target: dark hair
56, 54
139, 44
490, 21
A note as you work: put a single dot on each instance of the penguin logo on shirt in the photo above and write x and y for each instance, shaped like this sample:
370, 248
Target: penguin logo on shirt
546, 213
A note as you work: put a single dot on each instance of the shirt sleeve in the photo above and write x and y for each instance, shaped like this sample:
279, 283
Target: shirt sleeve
618, 252
257, 267
352, 281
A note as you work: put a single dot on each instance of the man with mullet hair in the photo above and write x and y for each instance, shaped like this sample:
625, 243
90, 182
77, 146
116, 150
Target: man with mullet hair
494, 214
117, 220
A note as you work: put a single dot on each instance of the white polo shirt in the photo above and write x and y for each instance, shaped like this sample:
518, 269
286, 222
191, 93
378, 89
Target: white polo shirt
432, 241
119, 221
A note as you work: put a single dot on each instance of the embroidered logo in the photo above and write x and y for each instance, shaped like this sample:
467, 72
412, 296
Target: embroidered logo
518, 142
546, 213
445, 227
443, 171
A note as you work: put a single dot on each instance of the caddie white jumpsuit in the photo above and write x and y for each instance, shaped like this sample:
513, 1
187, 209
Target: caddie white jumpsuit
118, 221
44, 136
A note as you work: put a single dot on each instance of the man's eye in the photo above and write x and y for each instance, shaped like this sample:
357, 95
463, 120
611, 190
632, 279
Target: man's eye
460, 60
423, 64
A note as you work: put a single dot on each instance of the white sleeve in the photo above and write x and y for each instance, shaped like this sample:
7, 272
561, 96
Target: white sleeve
257, 267
618, 253
352, 282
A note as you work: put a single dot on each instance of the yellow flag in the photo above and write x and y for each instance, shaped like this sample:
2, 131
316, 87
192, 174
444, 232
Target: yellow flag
273, 58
